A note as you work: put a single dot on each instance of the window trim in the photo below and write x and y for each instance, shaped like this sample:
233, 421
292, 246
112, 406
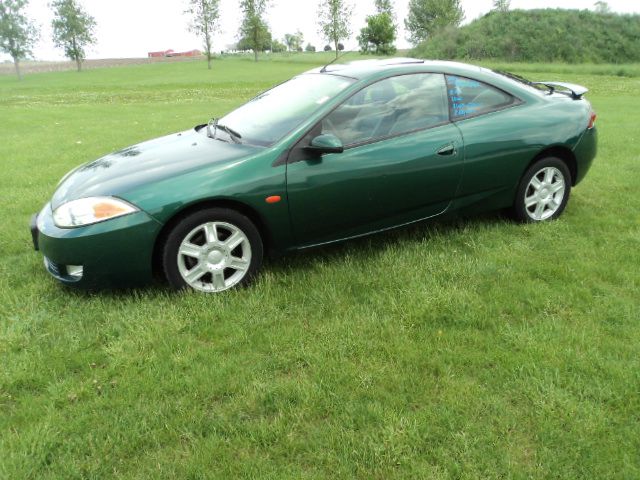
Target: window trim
288, 160
387, 137
377, 139
516, 103
395, 135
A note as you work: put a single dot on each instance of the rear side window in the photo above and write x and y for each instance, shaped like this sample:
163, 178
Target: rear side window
469, 98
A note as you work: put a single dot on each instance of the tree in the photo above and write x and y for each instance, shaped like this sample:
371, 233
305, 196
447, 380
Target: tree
385, 6
289, 39
501, 5
428, 16
602, 7
294, 41
17, 33
278, 47
333, 20
327, 48
378, 36
254, 31
309, 48
73, 29
265, 42
204, 22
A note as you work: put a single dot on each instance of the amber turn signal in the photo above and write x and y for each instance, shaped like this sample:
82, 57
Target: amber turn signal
107, 210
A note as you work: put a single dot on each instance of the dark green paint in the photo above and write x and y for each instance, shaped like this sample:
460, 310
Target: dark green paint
374, 186
328, 197
326, 143
114, 253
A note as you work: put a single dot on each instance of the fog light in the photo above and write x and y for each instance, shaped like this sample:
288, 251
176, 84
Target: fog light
74, 271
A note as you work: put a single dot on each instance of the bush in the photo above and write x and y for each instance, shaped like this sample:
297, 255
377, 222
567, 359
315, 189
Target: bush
549, 35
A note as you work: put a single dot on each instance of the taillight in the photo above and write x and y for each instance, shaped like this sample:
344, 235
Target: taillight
592, 120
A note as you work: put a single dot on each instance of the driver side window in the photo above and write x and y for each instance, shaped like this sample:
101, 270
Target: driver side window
390, 107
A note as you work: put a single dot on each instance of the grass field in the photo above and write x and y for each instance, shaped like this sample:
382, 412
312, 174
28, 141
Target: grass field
467, 348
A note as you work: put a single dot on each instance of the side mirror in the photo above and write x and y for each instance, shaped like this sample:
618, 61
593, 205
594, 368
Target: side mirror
325, 143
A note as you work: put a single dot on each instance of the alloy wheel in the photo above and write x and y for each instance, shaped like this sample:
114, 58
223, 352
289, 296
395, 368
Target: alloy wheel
545, 193
214, 256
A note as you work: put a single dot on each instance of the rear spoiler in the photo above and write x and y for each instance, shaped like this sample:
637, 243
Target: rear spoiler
577, 91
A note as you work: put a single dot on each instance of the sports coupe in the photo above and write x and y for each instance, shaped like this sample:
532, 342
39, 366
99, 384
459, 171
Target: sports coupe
335, 153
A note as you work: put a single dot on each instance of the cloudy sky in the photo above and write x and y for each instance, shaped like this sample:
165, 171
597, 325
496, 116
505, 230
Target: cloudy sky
131, 28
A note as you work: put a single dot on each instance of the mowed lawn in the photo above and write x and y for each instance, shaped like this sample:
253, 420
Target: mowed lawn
463, 348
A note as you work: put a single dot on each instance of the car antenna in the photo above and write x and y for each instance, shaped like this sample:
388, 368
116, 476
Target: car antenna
324, 69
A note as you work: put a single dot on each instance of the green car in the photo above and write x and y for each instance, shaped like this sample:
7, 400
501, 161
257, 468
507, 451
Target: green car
332, 154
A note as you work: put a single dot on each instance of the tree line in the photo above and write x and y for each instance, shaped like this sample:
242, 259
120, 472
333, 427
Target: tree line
74, 28
433, 26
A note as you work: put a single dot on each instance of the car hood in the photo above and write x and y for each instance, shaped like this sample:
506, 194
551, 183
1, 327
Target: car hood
154, 160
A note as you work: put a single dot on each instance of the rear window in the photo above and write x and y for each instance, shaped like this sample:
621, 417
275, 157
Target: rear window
469, 98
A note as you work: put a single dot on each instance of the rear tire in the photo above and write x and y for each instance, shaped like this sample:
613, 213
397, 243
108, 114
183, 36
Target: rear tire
543, 191
212, 250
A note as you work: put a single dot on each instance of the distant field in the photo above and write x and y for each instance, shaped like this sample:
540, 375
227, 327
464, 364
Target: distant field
619, 70
29, 67
463, 348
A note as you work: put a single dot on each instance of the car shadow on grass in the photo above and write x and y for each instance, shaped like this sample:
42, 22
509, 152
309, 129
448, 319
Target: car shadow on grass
376, 244
363, 248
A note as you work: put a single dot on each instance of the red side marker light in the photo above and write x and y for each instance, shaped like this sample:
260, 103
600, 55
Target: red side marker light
273, 199
592, 120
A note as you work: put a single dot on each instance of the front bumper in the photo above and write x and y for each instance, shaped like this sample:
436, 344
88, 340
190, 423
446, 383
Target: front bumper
111, 254
33, 226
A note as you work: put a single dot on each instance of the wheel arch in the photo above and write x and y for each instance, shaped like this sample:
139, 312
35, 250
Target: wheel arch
563, 153
235, 205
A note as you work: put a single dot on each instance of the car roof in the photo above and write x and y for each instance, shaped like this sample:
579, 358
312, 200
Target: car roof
362, 69
371, 70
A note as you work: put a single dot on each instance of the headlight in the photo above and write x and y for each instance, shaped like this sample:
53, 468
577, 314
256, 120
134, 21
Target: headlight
86, 211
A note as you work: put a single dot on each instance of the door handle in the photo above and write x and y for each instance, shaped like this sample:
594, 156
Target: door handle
447, 150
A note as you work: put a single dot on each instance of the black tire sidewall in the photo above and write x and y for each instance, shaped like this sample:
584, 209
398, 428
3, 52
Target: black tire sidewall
184, 226
519, 208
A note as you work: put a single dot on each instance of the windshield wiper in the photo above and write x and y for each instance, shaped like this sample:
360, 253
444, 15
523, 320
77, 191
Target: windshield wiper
235, 136
212, 123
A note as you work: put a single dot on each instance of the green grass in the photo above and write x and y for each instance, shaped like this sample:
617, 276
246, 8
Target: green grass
469, 348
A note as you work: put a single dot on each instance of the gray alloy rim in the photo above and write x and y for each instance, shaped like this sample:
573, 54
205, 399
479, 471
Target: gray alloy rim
544, 194
214, 257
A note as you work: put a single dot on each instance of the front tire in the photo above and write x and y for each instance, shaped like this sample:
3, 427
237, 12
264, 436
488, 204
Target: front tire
212, 250
543, 191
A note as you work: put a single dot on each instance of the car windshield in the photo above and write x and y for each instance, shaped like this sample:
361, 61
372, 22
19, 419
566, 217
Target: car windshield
268, 117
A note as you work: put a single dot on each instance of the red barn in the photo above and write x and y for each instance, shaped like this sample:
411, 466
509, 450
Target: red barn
165, 53
190, 53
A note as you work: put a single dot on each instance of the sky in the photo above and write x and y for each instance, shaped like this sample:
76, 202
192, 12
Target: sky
131, 28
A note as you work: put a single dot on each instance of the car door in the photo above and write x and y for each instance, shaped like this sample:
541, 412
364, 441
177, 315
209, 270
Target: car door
401, 162
498, 144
